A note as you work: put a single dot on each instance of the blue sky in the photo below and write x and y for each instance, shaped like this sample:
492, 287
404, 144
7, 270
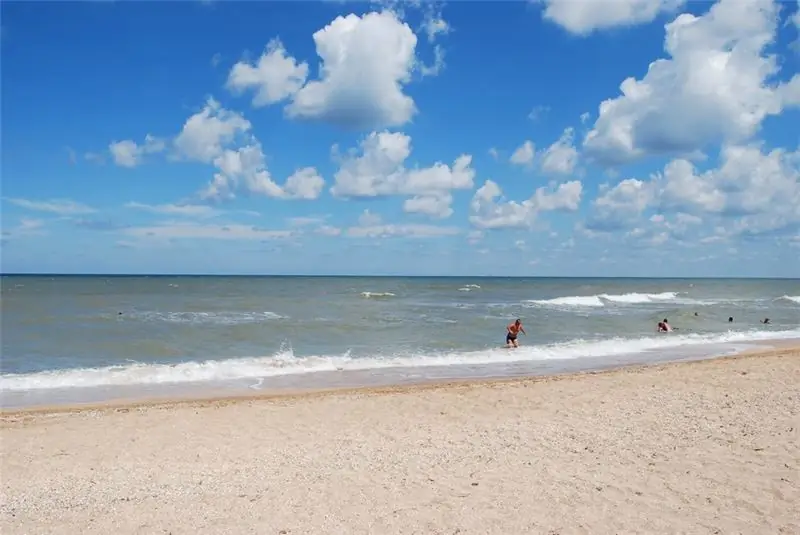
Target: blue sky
554, 137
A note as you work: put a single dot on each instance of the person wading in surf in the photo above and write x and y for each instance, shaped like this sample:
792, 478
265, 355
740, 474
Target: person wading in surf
513, 330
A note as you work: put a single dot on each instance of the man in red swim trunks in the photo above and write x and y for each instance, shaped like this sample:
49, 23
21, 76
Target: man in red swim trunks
513, 330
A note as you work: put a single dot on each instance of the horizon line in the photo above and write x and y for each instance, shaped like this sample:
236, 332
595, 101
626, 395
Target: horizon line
396, 276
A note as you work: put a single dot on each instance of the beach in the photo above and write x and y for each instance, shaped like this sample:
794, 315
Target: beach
700, 447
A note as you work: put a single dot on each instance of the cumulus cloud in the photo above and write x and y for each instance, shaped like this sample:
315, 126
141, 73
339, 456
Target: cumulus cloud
275, 76
55, 206
205, 134
751, 192
437, 206
561, 157
524, 154
716, 87
223, 138
365, 62
378, 169
583, 18
244, 170
128, 153
488, 209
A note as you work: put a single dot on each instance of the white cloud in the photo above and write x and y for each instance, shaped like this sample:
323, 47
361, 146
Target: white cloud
538, 112
365, 61
433, 23
561, 157
759, 191
714, 88
437, 206
327, 230
128, 154
55, 206
493, 153
490, 211
582, 18
524, 154
379, 171
26, 227
371, 225
244, 170
174, 231
620, 206
206, 133
305, 183
274, 77
186, 210
401, 231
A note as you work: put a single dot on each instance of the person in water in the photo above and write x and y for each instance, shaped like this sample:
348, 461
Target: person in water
664, 326
513, 330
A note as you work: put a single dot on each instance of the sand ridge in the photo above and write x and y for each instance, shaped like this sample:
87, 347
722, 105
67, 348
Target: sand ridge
701, 447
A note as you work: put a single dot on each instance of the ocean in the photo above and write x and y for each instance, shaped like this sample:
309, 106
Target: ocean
72, 339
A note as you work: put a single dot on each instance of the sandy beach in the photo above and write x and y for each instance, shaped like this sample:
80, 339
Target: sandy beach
702, 447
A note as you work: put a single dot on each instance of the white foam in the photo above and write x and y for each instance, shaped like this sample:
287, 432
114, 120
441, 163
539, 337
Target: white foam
573, 301
634, 298
286, 363
376, 294
792, 298
601, 300
219, 318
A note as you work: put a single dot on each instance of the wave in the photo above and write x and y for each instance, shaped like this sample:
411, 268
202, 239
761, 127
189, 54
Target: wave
601, 300
368, 295
218, 318
286, 363
574, 301
791, 298
640, 298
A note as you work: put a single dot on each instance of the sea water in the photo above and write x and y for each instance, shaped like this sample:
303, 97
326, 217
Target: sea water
93, 338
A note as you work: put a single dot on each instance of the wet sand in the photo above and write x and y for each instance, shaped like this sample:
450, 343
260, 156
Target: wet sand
701, 447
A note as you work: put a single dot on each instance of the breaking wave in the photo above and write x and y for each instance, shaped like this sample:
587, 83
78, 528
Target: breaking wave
601, 300
218, 318
369, 295
285, 362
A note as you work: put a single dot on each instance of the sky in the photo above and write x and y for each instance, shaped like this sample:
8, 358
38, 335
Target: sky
645, 138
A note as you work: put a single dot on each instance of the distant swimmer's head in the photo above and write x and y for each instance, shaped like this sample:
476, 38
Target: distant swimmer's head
730, 320
665, 320
517, 322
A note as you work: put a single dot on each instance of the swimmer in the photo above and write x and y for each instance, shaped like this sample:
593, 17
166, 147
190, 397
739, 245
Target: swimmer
512, 331
664, 326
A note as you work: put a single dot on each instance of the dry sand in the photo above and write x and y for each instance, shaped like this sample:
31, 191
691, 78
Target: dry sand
705, 447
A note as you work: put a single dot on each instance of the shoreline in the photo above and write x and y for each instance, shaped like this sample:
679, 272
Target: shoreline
222, 397
709, 446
